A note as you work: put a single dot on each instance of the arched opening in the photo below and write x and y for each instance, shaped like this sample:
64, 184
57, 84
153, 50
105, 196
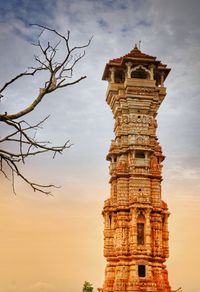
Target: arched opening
140, 73
140, 229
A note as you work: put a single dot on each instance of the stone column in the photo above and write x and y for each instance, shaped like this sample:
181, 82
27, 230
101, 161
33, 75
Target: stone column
112, 74
148, 232
133, 232
151, 72
128, 65
165, 236
162, 79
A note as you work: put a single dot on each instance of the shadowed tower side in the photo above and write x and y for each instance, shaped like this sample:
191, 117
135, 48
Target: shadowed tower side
135, 217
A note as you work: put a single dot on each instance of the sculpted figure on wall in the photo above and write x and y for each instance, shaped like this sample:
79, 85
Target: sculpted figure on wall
154, 163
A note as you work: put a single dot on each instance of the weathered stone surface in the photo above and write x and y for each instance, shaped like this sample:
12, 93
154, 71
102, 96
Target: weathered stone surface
135, 217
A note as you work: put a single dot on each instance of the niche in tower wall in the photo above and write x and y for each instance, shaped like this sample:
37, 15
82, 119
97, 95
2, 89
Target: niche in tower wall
139, 154
141, 271
140, 228
140, 233
119, 76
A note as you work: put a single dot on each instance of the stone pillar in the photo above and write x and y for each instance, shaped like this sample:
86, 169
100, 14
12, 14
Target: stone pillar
151, 72
162, 79
112, 75
165, 235
133, 232
148, 232
129, 65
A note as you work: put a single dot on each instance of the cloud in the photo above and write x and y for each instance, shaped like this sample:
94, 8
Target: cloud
168, 31
27, 11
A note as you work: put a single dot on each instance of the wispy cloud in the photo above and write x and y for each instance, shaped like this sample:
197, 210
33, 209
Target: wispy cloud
166, 30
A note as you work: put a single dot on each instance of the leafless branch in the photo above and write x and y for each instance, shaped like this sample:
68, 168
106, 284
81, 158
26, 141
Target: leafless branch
21, 135
25, 146
55, 69
26, 73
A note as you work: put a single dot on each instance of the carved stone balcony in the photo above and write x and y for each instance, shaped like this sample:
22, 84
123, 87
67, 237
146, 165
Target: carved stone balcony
141, 162
137, 82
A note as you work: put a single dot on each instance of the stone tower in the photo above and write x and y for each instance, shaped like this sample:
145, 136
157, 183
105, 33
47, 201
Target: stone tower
135, 217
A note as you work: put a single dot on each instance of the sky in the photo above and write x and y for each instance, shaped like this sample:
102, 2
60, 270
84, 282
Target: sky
55, 243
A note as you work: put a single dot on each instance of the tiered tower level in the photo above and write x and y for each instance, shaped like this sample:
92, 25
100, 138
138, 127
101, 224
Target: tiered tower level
136, 228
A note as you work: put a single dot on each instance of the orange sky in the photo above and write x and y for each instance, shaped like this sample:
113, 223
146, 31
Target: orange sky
56, 243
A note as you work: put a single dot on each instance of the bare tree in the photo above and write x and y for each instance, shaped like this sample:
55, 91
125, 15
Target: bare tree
21, 134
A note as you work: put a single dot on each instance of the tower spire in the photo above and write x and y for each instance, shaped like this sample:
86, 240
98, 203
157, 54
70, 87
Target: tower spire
135, 229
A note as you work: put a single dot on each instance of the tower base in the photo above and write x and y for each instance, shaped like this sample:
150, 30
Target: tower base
121, 277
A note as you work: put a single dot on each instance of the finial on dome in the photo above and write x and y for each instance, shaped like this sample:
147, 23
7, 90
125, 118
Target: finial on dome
137, 46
